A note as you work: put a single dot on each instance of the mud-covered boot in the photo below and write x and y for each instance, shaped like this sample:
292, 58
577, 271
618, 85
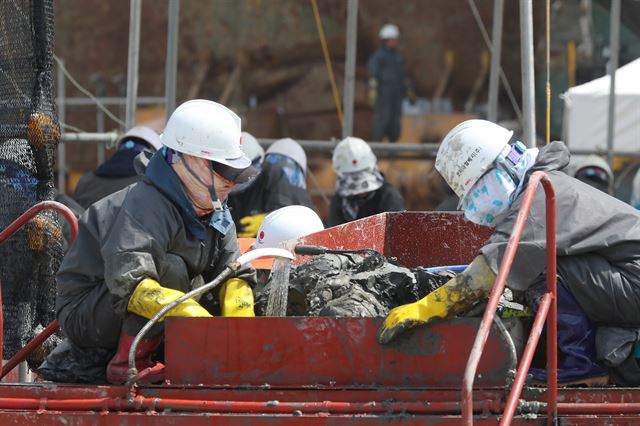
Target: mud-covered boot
119, 365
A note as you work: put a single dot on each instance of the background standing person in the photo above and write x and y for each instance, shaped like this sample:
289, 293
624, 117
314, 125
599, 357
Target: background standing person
388, 85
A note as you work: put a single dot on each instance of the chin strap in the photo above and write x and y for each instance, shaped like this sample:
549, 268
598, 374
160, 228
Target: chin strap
217, 205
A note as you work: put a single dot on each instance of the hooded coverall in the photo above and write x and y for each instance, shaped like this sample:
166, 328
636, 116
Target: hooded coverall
147, 230
111, 176
597, 238
384, 199
269, 191
386, 66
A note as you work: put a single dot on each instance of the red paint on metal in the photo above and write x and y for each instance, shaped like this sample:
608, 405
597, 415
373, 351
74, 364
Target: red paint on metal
414, 238
4, 236
498, 288
334, 352
599, 408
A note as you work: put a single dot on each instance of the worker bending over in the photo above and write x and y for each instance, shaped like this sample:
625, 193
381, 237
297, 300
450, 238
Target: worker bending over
361, 190
143, 247
598, 241
281, 183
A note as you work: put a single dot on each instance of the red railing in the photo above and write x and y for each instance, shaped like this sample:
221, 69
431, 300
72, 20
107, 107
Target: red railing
4, 236
547, 309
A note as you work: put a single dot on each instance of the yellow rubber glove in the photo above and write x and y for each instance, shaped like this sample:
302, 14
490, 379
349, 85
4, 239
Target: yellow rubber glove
236, 299
150, 297
251, 225
456, 296
373, 91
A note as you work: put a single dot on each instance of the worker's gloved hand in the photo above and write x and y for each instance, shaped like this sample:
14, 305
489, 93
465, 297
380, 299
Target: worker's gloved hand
236, 299
373, 91
457, 295
150, 297
251, 225
411, 95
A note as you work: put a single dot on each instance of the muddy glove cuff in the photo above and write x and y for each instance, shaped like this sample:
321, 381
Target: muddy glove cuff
150, 297
236, 299
456, 296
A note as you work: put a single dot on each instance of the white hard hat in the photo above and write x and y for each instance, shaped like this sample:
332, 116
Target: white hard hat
251, 148
291, 149
353, 155
144, 134
208, 130
468, 151
389, 31
287, 223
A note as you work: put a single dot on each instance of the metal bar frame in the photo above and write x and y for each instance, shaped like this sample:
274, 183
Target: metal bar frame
135, 12
528, 83
350, 67
171, 67
496, 40
5, 234
544, 312
614, 48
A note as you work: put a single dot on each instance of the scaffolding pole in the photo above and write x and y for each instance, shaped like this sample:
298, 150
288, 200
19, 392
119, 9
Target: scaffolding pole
62, 154
132, 64
614, 47
528, 85
350, 67
171, 68
496, 50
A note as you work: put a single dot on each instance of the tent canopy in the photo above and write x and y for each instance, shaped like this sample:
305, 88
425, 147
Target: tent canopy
586, 112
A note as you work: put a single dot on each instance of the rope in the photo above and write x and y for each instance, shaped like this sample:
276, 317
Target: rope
503, 77
327, 60
87, 93
548, 85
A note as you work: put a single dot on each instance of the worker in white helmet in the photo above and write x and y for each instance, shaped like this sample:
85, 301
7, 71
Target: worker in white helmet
598, 242
286, 224
361, 190
118, 171
141, 248
388, 85
281, 182
592, 170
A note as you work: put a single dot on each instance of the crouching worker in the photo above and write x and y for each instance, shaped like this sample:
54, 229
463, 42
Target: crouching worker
143, 247
598, 243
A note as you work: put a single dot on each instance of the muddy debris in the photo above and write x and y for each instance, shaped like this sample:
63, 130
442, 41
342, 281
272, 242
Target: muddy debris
346, 285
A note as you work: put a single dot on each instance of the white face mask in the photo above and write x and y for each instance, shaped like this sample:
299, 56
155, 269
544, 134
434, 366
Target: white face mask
489, 199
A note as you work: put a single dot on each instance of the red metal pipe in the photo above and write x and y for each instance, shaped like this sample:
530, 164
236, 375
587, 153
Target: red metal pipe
29, 347
498, 288
525, 361
142, 403
4, 236
598, 408
552, 319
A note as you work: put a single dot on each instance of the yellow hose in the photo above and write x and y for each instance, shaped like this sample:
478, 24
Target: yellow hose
327, 60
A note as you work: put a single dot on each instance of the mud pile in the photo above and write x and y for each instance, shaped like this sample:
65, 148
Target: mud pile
343, 285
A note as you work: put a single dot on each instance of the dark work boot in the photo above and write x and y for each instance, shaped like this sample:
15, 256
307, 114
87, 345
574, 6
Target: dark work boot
119, 365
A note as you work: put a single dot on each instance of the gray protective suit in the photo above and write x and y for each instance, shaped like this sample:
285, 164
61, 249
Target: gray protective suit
598, 244
387, 67
147, 230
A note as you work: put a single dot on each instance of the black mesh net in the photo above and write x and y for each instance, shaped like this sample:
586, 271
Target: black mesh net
29, 134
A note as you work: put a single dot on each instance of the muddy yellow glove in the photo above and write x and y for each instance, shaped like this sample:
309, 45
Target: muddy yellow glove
149, 297
251, 225
457, 295
373, 91
236, 298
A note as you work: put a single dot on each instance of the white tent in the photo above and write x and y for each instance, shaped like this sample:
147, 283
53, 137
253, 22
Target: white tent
587, 106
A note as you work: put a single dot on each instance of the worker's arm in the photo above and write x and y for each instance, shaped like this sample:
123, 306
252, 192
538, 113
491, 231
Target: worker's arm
455, 297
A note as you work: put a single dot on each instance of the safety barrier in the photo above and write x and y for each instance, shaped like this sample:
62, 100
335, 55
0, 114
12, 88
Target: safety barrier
547, 310
4, 236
